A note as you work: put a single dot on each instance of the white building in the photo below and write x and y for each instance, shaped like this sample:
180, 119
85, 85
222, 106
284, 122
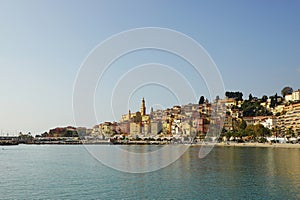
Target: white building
269, 122
288, 97
295, 96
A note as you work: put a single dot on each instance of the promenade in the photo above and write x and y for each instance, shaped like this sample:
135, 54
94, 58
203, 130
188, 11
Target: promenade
256, 144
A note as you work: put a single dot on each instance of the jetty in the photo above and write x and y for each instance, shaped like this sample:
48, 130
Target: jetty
9, 140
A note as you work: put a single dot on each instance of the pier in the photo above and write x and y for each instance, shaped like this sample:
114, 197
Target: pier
9, 140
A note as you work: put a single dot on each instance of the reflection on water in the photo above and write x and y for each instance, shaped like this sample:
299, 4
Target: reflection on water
70, 172
256, 172
137, 158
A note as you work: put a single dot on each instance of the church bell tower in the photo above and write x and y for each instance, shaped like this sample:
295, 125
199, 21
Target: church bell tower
143, 107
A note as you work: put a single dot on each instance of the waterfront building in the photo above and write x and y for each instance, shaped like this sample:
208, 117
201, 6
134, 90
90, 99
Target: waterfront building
123, 127
229, 123
176, 127
186, 127
96, 130
135, 129
289, 123
155, 128
145, 129
108, 129
267, 121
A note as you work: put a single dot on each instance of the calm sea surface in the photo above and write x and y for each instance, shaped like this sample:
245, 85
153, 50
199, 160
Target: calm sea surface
70, 172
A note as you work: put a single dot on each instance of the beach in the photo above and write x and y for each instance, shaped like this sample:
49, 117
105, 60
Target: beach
266, 145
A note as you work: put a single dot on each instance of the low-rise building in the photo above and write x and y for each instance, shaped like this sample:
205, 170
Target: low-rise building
267, 121
270, 122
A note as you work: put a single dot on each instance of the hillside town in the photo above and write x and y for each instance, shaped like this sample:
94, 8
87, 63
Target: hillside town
273, 119
266, 119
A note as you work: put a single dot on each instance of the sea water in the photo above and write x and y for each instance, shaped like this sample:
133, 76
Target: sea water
70, 172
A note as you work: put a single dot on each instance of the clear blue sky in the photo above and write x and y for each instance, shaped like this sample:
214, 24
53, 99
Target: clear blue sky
255, 44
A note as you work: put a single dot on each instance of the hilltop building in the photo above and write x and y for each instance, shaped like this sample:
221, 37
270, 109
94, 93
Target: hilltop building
295, 96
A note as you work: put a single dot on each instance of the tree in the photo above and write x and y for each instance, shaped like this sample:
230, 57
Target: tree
253, 108
45, 134
243, 125
273, 102
250, 97
201, 100
227, 94
286, 90
275, 131
290, 132
257, 130
264, 98
238, 96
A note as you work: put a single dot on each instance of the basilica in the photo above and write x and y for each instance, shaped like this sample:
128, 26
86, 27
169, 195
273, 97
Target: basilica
139, 122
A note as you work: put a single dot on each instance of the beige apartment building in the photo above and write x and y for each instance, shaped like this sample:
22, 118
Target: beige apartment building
290, 120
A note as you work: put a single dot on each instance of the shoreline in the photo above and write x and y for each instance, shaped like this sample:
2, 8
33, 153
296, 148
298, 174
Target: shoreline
230, 144
263, 145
